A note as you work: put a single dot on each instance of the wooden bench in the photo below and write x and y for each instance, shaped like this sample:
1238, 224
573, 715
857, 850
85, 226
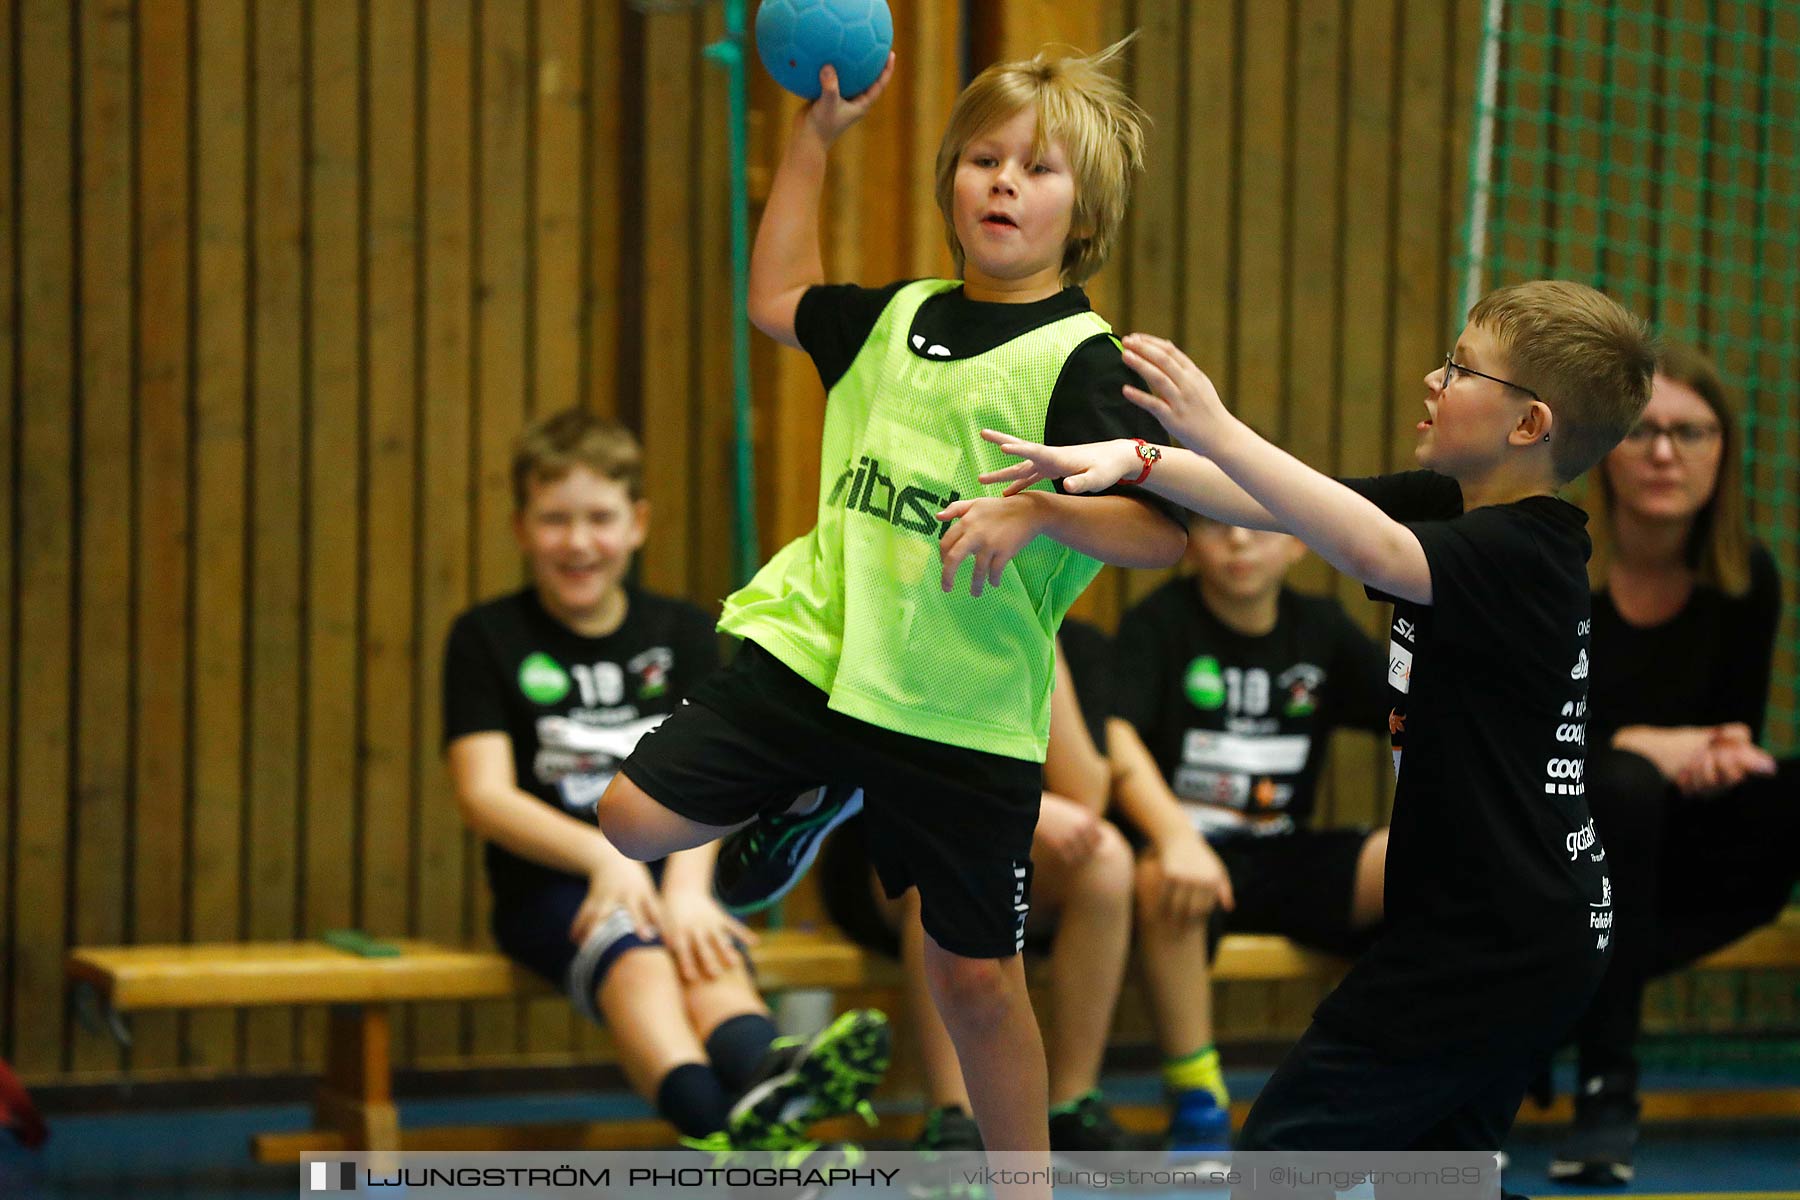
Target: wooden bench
354, 1106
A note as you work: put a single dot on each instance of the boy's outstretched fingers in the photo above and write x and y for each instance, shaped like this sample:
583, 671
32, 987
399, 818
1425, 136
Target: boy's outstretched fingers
1020, 475
1153, 367
1156, 406
1088, 467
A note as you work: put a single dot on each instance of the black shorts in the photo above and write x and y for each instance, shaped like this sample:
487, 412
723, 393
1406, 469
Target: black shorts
1299, 885
846, 889
956, 823
531, 926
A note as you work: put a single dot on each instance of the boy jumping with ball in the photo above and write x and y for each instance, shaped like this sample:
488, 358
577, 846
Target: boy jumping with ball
902, 651
1498, 906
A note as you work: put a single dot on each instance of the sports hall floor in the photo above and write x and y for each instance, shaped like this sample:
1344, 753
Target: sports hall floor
201, 1154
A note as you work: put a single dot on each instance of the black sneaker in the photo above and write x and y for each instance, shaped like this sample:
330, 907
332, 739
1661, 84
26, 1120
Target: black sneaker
1089, 1129
948, 1131
831, 1075
1598, 1148
762, 862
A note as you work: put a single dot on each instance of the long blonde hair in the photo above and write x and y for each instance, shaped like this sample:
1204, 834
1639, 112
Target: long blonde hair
1078, 104
1718, 545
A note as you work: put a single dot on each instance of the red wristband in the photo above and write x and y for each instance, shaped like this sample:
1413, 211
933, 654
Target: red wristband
1148, 454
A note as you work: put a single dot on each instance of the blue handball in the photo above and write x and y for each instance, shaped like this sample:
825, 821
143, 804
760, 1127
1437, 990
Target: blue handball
797, 37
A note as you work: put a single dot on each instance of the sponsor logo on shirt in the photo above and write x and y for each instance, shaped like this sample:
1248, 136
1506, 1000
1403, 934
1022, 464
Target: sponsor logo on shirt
579, 758
1249, 755
865, 488
1565, 777
1204, 683
1400, 665
542, 679
1582, 839
652, 671
1301, 682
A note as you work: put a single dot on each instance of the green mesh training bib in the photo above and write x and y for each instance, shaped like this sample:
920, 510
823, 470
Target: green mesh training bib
855, 605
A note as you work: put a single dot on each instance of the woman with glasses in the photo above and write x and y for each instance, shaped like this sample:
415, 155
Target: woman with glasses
1701, 827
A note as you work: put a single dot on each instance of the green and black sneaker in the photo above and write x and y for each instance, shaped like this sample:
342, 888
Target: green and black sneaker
949, 1136
829, 1076
761, 863
1085, 1131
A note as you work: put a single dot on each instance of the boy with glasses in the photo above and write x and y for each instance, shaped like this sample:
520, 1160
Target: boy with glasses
1497, 904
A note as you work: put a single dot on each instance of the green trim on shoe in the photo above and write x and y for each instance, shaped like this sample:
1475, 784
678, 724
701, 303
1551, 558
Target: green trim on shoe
833, 1076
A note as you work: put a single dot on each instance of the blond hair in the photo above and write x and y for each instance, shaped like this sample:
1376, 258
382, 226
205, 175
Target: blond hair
1078, 104
1587, 357
1718, 545
550, 447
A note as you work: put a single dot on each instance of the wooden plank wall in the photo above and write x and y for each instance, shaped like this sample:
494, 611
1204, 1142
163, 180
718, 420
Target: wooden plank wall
281, 280
1294, 233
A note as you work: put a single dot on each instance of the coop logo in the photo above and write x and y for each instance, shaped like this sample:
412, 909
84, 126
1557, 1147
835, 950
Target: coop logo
865, 488
331, 1177
1565, 768
1581, 839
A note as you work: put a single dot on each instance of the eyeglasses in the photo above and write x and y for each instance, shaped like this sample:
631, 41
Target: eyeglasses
1452, 369
1683, 435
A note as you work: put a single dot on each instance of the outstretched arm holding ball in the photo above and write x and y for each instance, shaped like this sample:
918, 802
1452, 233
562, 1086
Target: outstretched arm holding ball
786, 259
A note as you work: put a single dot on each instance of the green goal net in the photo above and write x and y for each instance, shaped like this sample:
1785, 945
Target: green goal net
1652, 149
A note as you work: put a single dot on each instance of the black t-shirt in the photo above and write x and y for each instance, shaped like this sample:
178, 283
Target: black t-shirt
1087, 404
1088, 651
1239, 725
1498, 909
1706, 665
572, 706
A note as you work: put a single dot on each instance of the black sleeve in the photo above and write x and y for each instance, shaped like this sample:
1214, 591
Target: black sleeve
1748, 646
1406, 497
696, 648
1358, 676
833, 321
1088, 404
474, 689
1411, 495
1140, 656
1088, 653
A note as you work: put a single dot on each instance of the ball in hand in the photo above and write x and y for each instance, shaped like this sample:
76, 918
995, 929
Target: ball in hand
797, 37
